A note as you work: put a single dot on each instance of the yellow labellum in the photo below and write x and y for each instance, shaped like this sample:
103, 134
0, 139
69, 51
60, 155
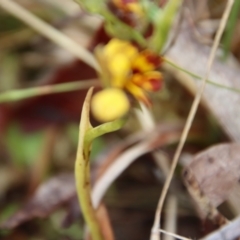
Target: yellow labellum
116, 46
109, 104
119, 67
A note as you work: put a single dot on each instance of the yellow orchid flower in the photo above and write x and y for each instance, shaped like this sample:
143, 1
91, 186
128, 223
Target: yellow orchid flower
115, 60
125, 69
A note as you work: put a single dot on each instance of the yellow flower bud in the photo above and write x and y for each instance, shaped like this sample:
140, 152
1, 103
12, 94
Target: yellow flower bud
109, 104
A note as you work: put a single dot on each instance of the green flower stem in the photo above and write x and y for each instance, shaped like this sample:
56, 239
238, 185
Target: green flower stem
102, 129
82, 168
199, 77
15, 95
82, 173
82, 164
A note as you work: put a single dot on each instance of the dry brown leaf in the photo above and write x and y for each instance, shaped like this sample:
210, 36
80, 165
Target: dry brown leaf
205, 208
211, 177
217, 171
48, 197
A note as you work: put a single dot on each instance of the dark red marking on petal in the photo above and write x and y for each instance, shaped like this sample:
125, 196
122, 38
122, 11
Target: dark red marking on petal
154, 59
156, 84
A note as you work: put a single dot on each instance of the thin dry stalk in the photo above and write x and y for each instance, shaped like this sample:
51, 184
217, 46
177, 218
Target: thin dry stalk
20, 94
122, 161
194, 107
147, 122
170, 223
49, 32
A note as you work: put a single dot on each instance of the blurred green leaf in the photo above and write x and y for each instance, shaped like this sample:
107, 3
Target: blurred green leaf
10, 23
73, 232
72, 133
93, 6
151, 10
162, 24
8, 210
23, 147
227, 39
9, 72
97, 146
112, 24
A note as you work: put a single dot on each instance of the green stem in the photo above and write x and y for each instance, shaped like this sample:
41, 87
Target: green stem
84, 189
82, 164
199, 77
102, 129
82, 173
15, 95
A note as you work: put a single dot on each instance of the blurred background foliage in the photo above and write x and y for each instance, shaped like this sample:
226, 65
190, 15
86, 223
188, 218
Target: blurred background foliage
38, 135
